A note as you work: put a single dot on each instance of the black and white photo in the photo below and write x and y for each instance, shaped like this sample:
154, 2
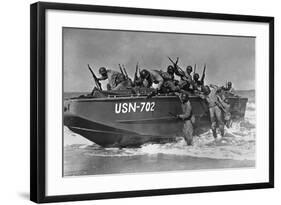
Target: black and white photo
148, 101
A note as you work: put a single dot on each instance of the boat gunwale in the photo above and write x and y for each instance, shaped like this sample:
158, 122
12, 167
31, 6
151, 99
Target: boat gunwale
115, 98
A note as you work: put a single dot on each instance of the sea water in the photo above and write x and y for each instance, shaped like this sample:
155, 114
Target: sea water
235, 150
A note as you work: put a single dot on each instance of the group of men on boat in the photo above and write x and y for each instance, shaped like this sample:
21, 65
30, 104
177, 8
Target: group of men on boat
165, 81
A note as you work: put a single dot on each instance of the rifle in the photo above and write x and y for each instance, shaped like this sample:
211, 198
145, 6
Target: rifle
98, 84
136, 72
203, 74
174, 115
176, 66
121, 69
194, 69
126, 74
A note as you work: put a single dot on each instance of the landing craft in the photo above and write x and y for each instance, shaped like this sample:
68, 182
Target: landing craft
123, 119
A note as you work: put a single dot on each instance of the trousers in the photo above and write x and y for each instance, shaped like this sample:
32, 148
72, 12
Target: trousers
188, 132
216, 118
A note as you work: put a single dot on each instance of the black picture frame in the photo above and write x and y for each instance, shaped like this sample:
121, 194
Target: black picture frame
38, 100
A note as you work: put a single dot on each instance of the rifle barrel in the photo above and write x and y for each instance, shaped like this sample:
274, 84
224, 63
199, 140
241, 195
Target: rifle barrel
121, 69
174, 115
98, 84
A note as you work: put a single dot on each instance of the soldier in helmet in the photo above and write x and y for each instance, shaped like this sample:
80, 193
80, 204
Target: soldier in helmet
189, 70
150, 77
228, 90
115, 79
197, 83
216, 115
228, 87
187, 117
170, 84
186, 79
171, 71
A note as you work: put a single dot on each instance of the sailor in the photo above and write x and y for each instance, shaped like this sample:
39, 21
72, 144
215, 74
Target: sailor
150, 77
187, 117
115, 79
216, 115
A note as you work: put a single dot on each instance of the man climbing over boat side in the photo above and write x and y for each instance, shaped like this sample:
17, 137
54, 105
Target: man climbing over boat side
187, 117
151, 77
116, 80
216, 115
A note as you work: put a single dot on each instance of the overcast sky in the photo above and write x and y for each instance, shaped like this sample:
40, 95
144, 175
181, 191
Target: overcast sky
227, 58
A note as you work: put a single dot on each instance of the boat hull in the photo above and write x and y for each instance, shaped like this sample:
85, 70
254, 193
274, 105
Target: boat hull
132, 121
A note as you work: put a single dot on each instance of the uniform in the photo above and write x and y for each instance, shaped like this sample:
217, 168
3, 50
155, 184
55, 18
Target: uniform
169, 82
197, 84
123, 85
216, 115
156, 78
189, 120
185, 80
116, 80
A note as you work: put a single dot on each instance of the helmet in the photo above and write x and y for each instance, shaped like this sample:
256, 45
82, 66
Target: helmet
229, 84
184, 96
189, 69
170, 69
102, 71
144, 74
196, 76
120, 78
206, 90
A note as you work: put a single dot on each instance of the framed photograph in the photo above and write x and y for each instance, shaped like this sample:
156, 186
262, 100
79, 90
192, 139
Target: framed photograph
129, 102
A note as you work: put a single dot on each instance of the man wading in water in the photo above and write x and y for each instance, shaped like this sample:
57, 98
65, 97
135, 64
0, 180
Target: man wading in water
216, 115
187, 117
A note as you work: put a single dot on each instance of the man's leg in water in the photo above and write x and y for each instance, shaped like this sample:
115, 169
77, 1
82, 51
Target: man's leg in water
188, 132
219, 117
213, 121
